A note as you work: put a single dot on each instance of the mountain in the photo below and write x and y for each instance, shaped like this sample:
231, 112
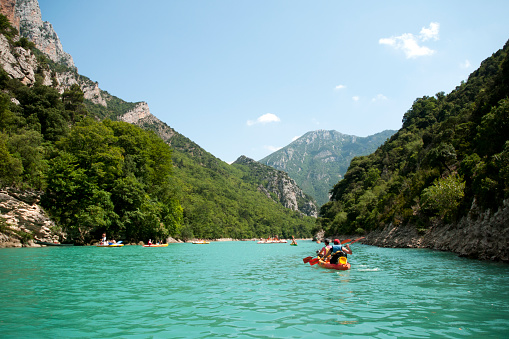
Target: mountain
277, 185
318, 159
442, 181
116, 183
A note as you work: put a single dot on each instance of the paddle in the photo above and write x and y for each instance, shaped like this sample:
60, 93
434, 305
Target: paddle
307, 259
314, 261
353, 242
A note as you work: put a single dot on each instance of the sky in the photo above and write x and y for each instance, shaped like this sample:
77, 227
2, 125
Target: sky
245, 77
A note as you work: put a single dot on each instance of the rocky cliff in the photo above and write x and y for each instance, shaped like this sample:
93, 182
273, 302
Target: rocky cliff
20, 63
277, 185
41, 33
20, 216
478, 235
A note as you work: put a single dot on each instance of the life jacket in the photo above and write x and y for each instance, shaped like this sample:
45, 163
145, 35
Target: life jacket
337, 250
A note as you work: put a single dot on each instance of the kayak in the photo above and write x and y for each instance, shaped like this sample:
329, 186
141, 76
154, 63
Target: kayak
293, 244
156, 245
201, 242
326, 264
112, 245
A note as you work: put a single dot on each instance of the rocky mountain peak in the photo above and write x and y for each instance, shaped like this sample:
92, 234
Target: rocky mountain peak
319, 159
41, 33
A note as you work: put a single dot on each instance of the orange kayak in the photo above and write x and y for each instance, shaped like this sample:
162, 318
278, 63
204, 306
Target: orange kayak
326, 264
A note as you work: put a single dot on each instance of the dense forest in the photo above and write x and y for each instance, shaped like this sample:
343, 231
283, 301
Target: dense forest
450, 158
100, 175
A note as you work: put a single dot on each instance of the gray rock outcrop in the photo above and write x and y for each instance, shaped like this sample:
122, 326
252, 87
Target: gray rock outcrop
478, 235
41, 33
21, 214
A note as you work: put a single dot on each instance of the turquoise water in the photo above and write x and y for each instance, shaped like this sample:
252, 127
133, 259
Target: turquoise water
248, 290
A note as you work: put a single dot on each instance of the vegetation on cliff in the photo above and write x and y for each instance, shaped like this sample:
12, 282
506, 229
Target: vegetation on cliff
451, 153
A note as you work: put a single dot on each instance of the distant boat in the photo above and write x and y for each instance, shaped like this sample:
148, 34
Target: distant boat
111, 245
282, 241
201, 242
156, 245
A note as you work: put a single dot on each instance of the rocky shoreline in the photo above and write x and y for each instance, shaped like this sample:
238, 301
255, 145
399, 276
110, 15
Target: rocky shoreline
479, 235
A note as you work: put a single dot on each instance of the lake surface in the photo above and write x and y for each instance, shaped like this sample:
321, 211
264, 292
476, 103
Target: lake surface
248, 290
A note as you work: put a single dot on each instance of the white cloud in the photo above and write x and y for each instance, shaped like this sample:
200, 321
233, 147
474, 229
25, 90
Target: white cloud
410, 44
340, 86
465, 64
264, 119
430, 33
379, 97
356, 98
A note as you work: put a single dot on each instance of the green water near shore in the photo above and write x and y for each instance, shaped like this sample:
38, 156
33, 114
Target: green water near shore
248, 290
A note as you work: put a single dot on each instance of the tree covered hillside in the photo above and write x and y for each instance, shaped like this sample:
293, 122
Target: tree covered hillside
450, 157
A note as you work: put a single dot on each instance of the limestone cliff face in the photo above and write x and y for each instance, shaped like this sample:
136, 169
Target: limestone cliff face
141, 111
22, 64
91, 90
40, 33
19, 63
478, 235
277, 185
20, 211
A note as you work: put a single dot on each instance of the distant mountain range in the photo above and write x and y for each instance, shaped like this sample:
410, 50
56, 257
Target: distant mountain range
319, 159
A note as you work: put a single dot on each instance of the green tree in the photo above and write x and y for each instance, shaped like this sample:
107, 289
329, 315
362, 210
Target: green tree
444, 195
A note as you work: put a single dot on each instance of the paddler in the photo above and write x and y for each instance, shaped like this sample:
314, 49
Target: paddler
338, 251
325, 250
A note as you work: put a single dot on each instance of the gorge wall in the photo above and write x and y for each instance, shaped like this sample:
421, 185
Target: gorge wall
478, 235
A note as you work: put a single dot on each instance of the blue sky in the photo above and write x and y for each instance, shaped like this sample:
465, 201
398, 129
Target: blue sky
248, 77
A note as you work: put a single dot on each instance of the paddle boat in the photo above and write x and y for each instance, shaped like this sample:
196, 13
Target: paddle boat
156, 245
111, 245
342, 265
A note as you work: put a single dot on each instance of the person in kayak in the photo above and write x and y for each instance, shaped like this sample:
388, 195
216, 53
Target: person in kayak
325, 250
103, 240
338, 251
293, 241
